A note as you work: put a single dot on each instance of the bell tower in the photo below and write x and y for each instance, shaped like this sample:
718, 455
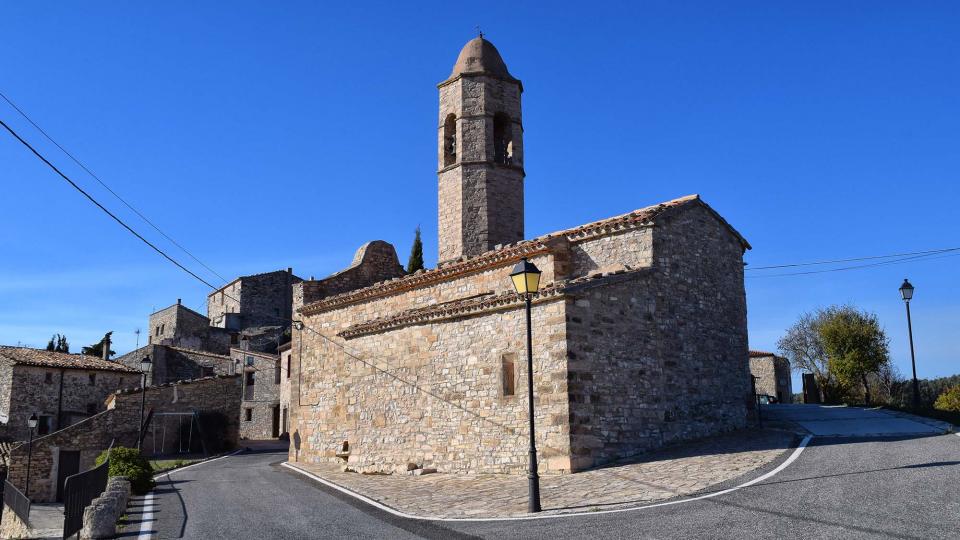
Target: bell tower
480, 154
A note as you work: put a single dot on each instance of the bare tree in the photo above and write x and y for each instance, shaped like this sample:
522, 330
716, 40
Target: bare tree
804, 348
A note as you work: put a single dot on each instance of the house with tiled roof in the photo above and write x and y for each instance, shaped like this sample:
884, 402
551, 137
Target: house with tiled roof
61, 389
639, 325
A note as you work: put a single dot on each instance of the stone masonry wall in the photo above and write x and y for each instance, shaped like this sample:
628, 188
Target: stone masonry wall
261, 300
170, 364
773, 377
457, 418
373, 262
262, 397
31, 393
119, 422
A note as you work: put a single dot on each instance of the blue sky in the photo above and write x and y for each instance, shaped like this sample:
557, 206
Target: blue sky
267, 135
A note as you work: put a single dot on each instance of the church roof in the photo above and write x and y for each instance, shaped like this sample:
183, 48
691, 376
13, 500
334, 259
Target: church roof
513, 252
480, 56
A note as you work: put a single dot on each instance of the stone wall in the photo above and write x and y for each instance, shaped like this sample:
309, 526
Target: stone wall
170, 364
373, 262
119, 422
261, 399
260, 300
37, 390
446, 408
773, 376
182, 327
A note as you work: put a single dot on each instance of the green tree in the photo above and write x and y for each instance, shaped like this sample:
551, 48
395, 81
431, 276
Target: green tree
416, 254
949, 400
856, 346
58, 343
97, 348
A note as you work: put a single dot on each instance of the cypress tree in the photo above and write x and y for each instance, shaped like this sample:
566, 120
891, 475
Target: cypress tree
416, 254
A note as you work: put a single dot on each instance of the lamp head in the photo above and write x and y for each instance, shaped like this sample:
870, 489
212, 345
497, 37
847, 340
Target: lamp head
145, 364
32, 421
906, 290
526, 277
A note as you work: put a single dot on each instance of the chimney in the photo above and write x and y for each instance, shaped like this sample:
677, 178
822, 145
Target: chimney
178, 301
289, 269
106, 346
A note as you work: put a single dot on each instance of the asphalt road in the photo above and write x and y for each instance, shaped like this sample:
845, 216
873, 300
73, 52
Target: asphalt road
837, 488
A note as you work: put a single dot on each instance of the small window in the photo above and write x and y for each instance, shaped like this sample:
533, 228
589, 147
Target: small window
206, 371
276, 373
48, 377
93, 378
91, 408
157, 331
163, 328
45, 425
508, 374
248, 415
288, 367
234, 339
250, 379
249, 360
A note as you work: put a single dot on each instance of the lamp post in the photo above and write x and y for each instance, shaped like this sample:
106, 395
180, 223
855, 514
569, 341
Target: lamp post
906, 292
32, 424
526, 280
144, 369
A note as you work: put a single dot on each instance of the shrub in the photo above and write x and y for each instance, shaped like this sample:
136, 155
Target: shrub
130, 463
949, 400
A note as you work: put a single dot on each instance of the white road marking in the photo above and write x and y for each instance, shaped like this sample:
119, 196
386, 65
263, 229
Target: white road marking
157, 476
793, 457
146, 526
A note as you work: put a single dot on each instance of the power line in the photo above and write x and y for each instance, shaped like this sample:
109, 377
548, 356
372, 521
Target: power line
101, 207
873, 257
112, 192
927, 256
285, 319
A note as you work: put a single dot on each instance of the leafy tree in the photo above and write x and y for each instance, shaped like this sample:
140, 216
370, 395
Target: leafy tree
416, 254
97, 348
949, 400
58, 343
855, 344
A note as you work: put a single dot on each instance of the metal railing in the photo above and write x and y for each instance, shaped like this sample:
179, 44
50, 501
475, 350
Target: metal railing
17, 501
79, 490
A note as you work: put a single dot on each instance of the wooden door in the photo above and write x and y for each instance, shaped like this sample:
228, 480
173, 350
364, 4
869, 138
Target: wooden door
68, 465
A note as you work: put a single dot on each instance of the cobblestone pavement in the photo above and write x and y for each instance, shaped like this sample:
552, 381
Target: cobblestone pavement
664, 474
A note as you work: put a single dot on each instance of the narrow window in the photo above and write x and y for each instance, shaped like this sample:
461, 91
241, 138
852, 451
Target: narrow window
48, 377
163, 328
288, 367
234, 338
249, 360
206, 371
502, 139
45, 425
276, 373
247, 415
157, 331
508, 374
450, 140
93, 379
250, 378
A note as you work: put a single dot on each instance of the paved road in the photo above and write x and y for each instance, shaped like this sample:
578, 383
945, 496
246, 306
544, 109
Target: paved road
905, 487
827, 420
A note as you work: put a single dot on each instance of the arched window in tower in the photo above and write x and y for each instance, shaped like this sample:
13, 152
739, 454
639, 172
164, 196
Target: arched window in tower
450, 140
502, 139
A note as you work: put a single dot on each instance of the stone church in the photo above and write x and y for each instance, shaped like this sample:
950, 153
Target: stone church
639, 327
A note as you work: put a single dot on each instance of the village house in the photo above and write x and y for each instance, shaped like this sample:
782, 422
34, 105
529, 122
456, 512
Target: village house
61, 389
771, 376
639, 326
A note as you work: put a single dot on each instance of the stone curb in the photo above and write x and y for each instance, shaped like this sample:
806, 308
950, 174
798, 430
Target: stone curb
947, 427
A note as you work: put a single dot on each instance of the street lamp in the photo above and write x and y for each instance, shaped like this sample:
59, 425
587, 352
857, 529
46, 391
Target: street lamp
144, 369
526, 280
906, 291
32, 424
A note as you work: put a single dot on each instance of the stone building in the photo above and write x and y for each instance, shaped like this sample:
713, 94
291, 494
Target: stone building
171, 364
180, 326
61, 389
260, 409
260, 300
57, 455
639, 337
771, 375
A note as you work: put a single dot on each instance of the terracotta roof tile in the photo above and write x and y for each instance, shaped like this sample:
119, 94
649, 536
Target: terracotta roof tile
38, 357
